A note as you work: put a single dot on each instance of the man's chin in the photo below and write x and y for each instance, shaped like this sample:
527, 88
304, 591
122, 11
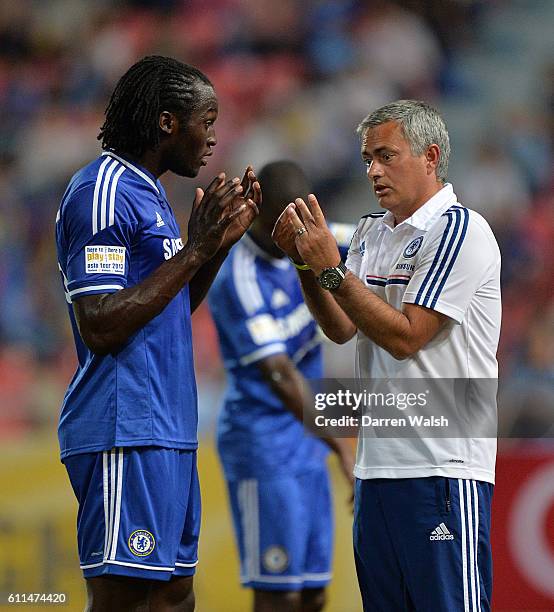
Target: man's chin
187, 172
385, 201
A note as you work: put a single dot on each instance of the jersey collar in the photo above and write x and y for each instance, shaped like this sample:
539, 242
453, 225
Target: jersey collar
426, 214
283, 263
142, 172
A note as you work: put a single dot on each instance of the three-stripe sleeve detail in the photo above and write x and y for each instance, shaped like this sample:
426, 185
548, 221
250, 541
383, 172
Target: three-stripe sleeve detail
111, 217
96, 193
103, 199
445, 257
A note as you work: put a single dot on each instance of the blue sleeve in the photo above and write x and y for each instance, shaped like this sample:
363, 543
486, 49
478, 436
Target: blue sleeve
247, 327
98, 226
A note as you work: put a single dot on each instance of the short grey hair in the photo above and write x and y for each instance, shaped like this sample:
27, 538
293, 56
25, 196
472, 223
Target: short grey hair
421, 125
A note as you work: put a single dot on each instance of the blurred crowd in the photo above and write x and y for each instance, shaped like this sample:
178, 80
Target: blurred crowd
294, 78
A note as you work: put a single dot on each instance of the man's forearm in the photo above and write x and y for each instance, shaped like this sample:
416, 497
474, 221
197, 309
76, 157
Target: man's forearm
293, 390
203, 279
379, 321
332, 319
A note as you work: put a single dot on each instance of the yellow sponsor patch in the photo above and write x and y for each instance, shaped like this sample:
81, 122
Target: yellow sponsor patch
105, 259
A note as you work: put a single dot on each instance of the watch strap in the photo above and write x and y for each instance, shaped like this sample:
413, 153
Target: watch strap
298, 266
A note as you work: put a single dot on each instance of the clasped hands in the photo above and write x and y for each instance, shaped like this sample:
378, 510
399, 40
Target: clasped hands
222, 214
302, 233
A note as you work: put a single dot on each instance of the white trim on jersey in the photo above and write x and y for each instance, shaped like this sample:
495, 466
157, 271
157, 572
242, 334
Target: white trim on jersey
104, 198
111, 217
133, 168
265, 351
93, 288
66, 290
104, 195
97, 185
306, 348
244, 280
283, 263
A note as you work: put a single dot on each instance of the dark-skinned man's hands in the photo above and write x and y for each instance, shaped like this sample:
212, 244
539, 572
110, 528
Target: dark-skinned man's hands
234, 206
251, 197
212, 215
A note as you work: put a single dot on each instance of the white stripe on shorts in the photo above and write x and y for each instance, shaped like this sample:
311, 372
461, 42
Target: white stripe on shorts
464, 545
117, 514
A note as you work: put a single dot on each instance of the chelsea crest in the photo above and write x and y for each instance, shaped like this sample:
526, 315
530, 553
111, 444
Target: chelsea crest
413, 247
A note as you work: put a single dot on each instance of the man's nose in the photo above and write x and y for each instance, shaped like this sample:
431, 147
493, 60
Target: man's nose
374, 170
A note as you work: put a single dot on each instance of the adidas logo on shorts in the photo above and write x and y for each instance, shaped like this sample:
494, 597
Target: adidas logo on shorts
441, 532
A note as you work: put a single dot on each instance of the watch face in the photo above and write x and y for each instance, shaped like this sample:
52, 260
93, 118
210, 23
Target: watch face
330, 279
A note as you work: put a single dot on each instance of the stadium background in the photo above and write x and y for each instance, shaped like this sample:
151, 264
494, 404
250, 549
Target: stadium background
293, 78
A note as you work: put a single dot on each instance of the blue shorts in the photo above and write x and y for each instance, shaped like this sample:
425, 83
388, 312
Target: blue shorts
139, 512
284, 529
423, 544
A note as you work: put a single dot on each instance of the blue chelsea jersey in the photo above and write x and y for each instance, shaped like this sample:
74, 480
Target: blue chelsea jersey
113, 229
257, 305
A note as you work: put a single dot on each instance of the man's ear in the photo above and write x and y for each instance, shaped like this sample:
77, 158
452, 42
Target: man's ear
168, 122
432, 157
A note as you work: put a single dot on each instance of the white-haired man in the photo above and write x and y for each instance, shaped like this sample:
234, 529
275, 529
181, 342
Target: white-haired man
421, 288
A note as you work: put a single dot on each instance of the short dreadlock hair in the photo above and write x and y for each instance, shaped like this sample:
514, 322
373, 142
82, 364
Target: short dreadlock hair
152, 85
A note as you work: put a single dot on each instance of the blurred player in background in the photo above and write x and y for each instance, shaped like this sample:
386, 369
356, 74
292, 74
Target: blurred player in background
128, 425
421, 288
276, 471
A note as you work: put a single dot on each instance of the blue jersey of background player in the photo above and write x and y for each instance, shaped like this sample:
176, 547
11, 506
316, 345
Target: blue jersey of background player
276, 471
128, 424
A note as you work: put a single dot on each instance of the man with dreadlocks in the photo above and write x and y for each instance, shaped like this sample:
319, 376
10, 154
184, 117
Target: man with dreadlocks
129, 418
